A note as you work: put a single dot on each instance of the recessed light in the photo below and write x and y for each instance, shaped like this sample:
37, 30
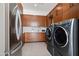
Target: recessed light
35, 5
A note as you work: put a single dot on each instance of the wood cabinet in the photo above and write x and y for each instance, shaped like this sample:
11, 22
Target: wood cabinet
49, 21
72, 12
65, 7
34, 36
33, 20
57, 13
64, 11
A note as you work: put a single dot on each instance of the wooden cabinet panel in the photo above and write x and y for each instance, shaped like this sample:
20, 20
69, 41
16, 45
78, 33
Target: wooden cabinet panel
57, 13
30, 20
34, 36
65, 7
65, 11
59, 9
49, 21
73, 12
23, 37
58, 17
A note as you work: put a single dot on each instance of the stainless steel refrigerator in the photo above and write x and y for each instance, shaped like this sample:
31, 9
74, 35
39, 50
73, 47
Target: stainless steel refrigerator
15, 31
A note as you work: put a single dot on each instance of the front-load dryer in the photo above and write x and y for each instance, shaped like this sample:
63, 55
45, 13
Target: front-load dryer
49, 34
66, 38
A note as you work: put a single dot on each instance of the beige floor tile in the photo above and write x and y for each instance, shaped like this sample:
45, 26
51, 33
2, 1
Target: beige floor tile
35, 49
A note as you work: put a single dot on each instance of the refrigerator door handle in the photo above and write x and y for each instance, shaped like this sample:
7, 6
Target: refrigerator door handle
18, 26
18, 46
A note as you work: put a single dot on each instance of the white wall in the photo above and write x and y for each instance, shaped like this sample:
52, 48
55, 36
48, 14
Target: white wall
2, 29
33, 29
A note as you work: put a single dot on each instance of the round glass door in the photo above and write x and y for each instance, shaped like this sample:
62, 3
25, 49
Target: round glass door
60, 36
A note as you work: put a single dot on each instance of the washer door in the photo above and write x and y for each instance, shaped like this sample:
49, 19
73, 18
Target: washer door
48, 33
60, 36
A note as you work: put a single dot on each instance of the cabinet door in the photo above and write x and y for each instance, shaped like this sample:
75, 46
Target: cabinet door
41, 36
58, 13
66, 10
72, 12
54, 16
66, 7
34, 37
30, 20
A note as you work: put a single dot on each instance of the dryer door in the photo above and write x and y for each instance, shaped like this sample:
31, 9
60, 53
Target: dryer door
60, 36
48, 34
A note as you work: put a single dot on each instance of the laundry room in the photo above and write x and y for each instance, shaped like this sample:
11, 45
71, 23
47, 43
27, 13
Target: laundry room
39, 29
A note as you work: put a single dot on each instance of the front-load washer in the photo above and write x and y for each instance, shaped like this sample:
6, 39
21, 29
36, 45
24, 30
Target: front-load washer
49, 34
66, 38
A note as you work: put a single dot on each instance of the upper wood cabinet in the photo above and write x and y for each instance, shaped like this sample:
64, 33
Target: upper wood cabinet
59, 9
33, 20
65, 7
58, 13
72, 12
65, 11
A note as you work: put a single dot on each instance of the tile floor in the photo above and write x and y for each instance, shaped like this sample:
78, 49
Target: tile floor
35, 49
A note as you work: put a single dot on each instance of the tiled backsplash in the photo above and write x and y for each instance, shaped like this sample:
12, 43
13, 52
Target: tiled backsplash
34, 29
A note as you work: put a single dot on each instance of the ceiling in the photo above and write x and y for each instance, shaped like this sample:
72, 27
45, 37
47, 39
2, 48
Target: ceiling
38, 8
